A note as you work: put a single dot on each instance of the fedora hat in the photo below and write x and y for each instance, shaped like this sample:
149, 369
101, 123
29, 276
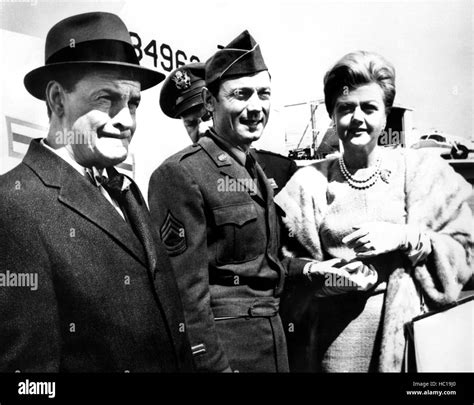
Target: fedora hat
90, 39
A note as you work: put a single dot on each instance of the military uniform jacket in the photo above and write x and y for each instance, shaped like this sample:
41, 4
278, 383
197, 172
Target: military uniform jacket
223, 238
98, 305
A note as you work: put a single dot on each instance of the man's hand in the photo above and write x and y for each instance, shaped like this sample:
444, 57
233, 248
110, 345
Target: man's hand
375, 238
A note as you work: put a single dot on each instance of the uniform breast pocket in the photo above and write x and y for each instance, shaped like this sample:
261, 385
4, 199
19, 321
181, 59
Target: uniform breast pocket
241, 235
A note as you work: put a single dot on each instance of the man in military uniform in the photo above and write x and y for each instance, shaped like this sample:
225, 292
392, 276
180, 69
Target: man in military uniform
213, 207
180, 98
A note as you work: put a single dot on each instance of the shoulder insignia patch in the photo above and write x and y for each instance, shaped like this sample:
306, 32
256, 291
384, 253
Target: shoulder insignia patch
173, 235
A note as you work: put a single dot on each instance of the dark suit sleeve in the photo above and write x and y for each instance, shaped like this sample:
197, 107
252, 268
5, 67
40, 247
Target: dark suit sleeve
176, 204
293, 167
29, 321
294, 267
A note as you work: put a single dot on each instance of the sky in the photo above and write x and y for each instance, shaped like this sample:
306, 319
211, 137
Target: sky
430, 44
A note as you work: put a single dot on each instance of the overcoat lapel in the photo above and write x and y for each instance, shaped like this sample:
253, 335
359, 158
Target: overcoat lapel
76, 192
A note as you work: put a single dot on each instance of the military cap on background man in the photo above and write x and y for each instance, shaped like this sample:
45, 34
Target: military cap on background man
181, 90
241, 57
180, 97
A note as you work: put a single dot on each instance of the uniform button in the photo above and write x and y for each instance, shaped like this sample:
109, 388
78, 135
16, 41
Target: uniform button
222, 157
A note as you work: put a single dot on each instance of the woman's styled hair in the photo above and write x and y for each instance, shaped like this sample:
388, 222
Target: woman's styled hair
357, 69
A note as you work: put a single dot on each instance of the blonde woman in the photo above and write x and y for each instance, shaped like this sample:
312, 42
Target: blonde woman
401, 213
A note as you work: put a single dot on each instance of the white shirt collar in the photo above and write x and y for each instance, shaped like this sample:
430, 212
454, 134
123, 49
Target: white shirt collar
94, 173
65, 155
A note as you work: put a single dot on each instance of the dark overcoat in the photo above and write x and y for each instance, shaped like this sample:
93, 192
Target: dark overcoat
98, 306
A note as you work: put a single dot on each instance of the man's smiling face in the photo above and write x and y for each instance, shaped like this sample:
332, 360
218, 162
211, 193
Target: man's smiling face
242, 108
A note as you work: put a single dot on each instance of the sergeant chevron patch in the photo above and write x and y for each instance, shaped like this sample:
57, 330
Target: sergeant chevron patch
173, 235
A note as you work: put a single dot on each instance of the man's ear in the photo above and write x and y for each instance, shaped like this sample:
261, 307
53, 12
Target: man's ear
55, 97
208, 99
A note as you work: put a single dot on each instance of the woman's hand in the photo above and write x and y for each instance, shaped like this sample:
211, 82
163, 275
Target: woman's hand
375, 238
340, 277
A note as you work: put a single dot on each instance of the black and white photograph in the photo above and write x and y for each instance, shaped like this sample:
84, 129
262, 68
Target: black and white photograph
281, 190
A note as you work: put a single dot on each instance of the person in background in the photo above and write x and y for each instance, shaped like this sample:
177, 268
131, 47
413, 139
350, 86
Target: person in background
180, 98
106, 298
402, 213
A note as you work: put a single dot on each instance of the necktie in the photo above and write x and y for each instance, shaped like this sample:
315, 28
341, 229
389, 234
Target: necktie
134, 210
250, 166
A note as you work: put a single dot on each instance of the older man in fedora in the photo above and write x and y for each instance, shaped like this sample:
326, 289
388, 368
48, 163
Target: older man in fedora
213, 207
106, 297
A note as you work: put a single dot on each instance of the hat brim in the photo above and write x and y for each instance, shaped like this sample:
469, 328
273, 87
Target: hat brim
37, 80
190, 103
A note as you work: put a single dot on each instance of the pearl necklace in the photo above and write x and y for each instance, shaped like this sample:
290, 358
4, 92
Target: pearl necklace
363, 183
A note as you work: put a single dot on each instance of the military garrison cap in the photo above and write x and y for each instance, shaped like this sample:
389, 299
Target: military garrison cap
181, 90
241, 57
